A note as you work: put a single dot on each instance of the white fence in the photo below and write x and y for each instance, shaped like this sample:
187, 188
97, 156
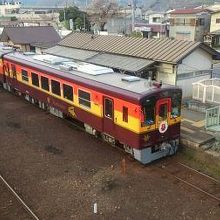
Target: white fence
207, 90
212, 117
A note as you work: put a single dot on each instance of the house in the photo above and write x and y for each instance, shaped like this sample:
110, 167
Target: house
155, 25
189, 24
175, 62
155, 31
8, 8
33, 38
212, 38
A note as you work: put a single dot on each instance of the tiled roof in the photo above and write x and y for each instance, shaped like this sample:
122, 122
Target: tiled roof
28, 35
163, 50
188, 11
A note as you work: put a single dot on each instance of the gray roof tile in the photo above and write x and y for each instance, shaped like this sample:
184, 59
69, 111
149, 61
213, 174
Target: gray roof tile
163, 50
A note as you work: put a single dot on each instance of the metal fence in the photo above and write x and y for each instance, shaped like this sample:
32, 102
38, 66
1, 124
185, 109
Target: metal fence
212, 117
207, 90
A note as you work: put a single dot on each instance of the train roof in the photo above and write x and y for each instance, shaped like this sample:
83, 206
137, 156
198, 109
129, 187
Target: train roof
89, 75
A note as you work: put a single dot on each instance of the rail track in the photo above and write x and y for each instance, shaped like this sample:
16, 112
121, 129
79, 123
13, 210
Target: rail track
24, 205
192, 178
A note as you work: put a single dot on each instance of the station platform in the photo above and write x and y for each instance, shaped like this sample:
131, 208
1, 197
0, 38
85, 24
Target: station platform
193, 133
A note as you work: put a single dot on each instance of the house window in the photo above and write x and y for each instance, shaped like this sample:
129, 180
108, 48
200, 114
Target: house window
55, 86
13, 70
125, 114
84, 99
24, 74
44, 83
217, 20
35, 79
68, 92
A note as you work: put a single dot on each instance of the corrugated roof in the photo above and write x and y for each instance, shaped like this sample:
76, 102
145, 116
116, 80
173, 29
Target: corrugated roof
76, 54
28, 35
163, 50
120, 62
126, 63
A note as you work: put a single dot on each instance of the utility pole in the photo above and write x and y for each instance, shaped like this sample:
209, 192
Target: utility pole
133, 7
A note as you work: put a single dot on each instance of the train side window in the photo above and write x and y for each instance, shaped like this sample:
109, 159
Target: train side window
44, 83
13, 70
84, 98
35, 79
148, 110
24, 74
68, 92
125, 114
55, 87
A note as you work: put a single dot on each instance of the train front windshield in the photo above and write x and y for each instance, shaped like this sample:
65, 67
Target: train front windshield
166, 106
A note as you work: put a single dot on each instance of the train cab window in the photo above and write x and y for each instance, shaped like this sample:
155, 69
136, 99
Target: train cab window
24, 74
108, 108
44, 83
13, 70
176, 105
55, 87
148, 109
84, 99
163, 111
68, 92
35, 79
125, 114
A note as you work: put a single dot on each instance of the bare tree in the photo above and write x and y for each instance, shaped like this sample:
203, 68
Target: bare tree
102, 10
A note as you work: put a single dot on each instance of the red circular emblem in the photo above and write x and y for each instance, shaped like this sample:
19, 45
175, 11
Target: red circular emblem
163, 127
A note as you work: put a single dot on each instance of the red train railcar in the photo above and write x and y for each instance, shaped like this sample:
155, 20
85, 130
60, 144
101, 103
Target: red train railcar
140, 115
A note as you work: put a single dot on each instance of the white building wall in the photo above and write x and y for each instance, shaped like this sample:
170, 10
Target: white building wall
196, 61
195, 67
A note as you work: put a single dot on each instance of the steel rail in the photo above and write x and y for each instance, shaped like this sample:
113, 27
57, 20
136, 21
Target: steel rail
191, 185
197, 188
203, 174
31, 213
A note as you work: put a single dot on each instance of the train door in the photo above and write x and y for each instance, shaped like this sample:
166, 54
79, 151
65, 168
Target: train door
4, 74
108, 116
163, 107
14, 76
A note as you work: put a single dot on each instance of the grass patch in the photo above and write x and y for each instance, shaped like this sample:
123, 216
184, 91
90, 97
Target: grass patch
200, 161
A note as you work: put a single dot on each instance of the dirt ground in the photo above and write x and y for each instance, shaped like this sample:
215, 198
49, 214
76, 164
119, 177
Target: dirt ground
60, 172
